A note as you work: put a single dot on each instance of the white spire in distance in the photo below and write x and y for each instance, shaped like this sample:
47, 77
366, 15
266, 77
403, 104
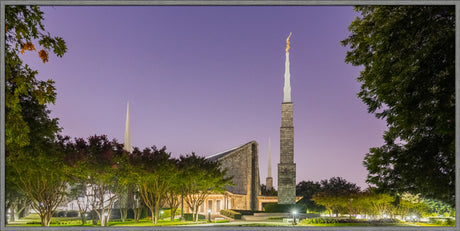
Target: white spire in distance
127, 145
269, 159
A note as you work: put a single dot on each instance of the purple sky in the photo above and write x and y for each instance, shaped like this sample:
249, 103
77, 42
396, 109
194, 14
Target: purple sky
206, 79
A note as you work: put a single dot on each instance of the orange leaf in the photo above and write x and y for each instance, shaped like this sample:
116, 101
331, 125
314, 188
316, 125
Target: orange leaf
43, 55
27, 46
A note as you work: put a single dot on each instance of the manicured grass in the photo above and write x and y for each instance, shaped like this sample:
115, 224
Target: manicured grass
75, 221
147, 222
256, 224
356, 224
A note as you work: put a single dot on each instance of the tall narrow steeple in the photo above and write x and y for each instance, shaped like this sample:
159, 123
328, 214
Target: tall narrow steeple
287, 167
287, 74
127, 145
269, 180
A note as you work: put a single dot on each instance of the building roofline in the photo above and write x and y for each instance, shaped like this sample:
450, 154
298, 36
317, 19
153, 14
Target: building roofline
228, 151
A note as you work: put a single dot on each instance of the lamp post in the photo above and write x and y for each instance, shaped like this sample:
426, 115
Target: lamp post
161, 214
209, 215
293, 215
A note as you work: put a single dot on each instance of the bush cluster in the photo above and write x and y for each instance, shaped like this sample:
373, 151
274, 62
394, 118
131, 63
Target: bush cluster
441, 221
167, 213
222, 221
328, 220
62, 213
246, 212
230, 213
281, 208
65, 222
189, 217
72, 213
319, 220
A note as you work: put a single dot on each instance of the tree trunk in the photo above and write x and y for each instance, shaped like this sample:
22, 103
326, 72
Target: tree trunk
45, 219
152, 210
123, 214
196, 213
157, 211
94, 217
173, 213
137, 214
83, 218
12, 213
22, 209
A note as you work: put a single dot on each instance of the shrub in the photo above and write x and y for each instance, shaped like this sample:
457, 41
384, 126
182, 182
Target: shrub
167, 213
222, 221
281, 208
247, 212
230, 213
55, 214
61, 214
385, 221
275, 218
441, 221
328, 220
188, 217
72, 213
319, 220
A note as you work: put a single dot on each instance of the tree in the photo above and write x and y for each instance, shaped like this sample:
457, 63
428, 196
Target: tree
22, 25
131, 180
439, 208
154, 169
173, 195
307, 189
201, 177
335, 195
270, 192
79, 192
380, 203
99, 164
38, 169
408, 54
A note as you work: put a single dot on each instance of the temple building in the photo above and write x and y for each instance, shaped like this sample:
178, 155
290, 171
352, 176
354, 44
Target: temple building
242, 163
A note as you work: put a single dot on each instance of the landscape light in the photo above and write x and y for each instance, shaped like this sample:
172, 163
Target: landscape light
294, 212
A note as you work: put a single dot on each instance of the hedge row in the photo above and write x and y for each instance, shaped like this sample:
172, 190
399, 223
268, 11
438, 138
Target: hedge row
115, 214
441, 221
247, 212
282, 208
188, 217
230, 213
71, 213
319, 220
328, 220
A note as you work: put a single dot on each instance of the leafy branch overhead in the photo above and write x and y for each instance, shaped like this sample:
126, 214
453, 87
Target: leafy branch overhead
408, 55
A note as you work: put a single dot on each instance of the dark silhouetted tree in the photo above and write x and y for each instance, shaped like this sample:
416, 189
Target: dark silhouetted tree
408, 55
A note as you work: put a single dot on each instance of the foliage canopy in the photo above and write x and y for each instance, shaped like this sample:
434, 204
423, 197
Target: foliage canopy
408, 55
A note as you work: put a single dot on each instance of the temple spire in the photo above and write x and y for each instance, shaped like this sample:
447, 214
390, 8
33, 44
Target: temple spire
269, 174
127, 145
287, 74
269, 179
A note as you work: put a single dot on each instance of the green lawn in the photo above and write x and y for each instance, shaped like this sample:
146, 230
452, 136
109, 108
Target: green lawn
34, 220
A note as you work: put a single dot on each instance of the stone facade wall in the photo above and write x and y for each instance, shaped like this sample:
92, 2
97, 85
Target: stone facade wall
243, 165
286, 167
286, 134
